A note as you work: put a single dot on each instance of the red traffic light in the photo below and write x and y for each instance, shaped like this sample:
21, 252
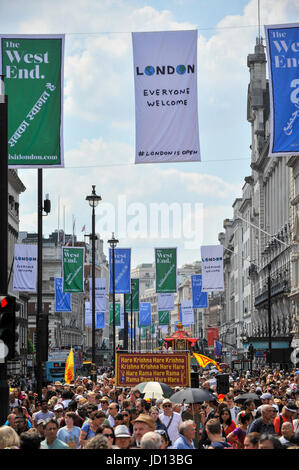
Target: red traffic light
3, 302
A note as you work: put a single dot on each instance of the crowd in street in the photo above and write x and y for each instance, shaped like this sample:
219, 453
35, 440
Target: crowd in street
89, 415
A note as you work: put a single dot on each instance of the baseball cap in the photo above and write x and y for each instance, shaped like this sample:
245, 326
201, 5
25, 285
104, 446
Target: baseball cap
143, 418
58, 407
266, 396
121, 431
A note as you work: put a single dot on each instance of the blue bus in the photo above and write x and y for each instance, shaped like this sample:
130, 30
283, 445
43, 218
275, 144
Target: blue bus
55, 366
55, 370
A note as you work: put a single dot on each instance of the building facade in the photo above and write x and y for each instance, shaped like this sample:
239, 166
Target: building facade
15, 188
260, 248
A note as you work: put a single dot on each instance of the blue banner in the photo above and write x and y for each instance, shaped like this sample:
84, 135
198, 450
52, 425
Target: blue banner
181, 319
100, 320
145, 314
217, 348
122, 257
131, 331
62, 299
200, 299
283, 58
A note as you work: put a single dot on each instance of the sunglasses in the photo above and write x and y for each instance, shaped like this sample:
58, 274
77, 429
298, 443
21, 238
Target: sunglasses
108, 435
167, 406
161, 432
125, 414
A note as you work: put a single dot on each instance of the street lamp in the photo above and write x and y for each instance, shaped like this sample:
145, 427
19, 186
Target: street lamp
269, 318
93, 201
113, 243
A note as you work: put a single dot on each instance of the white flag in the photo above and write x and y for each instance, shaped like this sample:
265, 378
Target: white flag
165, 301
212, 268
100, 293
187, 312
165, 74
25, 268
88, 314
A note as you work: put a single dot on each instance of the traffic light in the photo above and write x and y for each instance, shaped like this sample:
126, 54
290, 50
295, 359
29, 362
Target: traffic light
8, 324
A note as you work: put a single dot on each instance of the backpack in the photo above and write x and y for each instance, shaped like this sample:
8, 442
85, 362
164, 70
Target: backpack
221, 445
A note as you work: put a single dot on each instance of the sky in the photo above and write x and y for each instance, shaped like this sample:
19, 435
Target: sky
99, 120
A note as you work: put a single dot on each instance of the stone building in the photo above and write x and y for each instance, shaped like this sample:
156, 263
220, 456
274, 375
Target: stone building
66, 329
260, 249
15, 188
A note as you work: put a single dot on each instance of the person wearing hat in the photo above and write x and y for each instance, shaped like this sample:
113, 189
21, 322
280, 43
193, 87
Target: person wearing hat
58, 412
104, 404
40, 428
141, 425
289, 412
122, 437
266, 399
171, 420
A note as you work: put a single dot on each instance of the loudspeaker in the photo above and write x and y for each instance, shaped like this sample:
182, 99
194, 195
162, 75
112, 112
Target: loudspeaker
194, 380
222, 383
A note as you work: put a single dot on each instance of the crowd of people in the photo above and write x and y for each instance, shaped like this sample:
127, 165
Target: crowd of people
88, 415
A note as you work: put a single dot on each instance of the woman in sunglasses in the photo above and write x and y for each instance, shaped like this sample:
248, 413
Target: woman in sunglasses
127, 420
108, 432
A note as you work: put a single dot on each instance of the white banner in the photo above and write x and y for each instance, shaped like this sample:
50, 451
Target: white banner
25, 268
100, 293
164, 329
212, 268
166, 115
187, 312
88, 314
165, 301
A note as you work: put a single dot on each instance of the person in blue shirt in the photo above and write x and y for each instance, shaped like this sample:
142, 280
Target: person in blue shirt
70, 433
187, 431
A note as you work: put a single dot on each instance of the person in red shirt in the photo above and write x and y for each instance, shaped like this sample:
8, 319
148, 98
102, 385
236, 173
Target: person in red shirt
227, 424
289, 411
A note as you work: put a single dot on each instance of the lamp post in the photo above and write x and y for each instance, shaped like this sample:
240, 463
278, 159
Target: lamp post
131, 295
93, 201
113, 243
269, 317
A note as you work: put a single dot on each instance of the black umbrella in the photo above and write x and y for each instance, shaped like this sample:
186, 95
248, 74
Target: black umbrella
192, 395
248, 396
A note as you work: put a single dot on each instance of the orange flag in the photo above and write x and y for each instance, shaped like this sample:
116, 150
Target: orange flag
203, 361
69, 368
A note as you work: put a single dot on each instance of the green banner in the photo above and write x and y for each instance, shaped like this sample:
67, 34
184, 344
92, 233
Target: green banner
143, 332
117, 313
73, 269
166, 267
128, 303
33, 69
135, 297
164, 317
135, 287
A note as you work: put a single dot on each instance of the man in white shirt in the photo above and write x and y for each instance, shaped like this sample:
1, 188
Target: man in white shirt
171, 420
112, 412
